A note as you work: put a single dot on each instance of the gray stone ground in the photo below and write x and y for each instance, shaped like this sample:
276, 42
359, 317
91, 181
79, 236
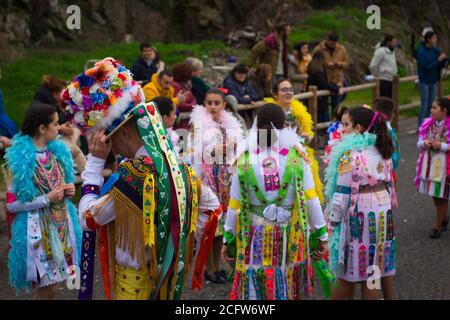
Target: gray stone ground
422, 263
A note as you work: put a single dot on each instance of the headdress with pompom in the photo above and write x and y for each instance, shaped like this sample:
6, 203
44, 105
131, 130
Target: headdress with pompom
102, 97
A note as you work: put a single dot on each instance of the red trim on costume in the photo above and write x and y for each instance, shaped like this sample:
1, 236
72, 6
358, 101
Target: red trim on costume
90, 222
104, 259
10, 197
205, 246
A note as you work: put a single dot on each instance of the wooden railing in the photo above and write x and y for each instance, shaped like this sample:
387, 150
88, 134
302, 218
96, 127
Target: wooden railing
313, 94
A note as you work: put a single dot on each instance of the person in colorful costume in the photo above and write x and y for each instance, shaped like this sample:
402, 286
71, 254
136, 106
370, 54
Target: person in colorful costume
361, 195
45, 242
272, 212
385, 106
214, 142
150, 211
299, 119
335, 131
433, 165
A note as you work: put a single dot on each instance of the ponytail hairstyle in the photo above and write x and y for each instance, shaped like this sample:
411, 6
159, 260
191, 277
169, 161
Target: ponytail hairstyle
444, 103
374, 122
270, 116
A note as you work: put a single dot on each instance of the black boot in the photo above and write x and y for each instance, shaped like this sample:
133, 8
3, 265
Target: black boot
435, 234
444, 225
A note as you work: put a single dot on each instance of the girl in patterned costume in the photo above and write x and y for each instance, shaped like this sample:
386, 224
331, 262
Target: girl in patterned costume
361, 197
46, 235
213, 144
299, 119
149, 213
273, 210
433, 166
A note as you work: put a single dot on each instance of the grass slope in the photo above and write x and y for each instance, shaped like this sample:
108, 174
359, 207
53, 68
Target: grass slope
22, 77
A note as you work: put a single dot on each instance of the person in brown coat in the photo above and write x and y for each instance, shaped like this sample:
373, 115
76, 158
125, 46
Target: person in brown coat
261, 79
273, 50
336, 61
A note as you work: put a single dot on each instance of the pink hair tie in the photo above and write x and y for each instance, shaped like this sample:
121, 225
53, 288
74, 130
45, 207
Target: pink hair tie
375, 116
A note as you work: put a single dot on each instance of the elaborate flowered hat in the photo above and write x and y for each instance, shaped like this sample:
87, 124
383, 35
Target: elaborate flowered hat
102, 97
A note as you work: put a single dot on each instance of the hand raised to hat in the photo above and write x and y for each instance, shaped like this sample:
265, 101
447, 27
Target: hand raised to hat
99, 147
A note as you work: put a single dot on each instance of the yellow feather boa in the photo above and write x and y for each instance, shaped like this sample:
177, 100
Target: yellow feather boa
305, 123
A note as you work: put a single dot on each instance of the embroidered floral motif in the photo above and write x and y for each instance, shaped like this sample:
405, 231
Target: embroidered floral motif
345, 162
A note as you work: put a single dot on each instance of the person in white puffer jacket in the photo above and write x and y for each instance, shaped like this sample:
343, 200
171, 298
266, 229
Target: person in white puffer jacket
384, 64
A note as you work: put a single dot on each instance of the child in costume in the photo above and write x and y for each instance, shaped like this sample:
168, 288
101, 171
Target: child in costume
272, 213
335, 131
149, 213
46, 235
361, 197
214, 140
385, 106
299, 119
433, 166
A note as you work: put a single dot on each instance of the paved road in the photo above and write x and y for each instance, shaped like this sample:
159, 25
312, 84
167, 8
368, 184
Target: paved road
423, 271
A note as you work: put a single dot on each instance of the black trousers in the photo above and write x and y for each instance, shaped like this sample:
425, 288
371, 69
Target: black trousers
386, 88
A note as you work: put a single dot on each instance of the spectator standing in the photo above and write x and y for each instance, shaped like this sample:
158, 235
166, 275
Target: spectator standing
384, 65
302, 56
430, 60
317, 76
273, 50
261, 80
336, 61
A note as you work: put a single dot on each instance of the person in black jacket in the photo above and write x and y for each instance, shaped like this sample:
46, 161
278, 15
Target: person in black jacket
317, 76
146, 65
49, 93
240, 86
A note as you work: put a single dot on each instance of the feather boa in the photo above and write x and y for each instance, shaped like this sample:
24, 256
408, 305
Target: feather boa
423, 132
350, 142
209, 134
300, 113
21, 160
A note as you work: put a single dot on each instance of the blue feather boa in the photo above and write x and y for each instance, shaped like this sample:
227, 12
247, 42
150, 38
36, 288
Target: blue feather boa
350, 142
21, 160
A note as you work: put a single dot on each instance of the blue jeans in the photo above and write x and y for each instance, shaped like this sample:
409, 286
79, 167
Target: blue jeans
428, 93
